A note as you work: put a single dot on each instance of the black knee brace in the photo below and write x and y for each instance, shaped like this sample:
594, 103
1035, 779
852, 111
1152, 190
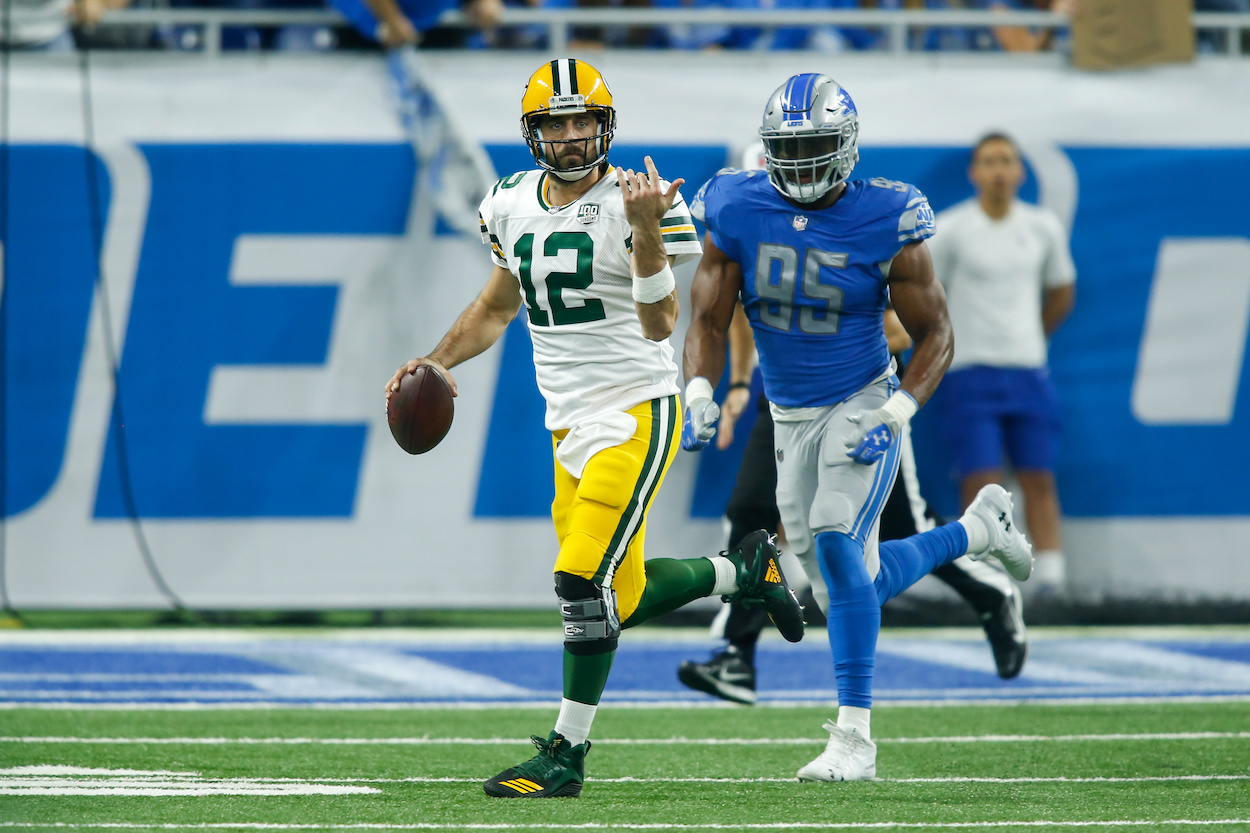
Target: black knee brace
591, 623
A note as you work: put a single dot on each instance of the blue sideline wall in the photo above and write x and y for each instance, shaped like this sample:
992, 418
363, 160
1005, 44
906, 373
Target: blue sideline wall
267, 269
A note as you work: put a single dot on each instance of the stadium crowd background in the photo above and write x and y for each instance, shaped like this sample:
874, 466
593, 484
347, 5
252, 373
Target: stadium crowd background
433, 35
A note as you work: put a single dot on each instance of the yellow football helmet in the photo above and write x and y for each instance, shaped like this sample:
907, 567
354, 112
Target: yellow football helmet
563, 86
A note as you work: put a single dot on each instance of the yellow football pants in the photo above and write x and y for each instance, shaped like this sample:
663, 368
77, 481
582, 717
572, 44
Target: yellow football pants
601, 520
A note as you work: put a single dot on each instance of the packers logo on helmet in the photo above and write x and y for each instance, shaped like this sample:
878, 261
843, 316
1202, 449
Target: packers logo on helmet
566, 87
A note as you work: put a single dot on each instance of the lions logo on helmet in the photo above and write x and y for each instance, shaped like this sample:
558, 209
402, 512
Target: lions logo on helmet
567, 86
811, 137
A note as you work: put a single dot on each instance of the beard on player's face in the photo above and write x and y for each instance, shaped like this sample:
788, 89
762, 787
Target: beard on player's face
570, 154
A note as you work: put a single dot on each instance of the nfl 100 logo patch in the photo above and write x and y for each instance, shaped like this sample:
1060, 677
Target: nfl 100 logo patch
800, 222
588, 213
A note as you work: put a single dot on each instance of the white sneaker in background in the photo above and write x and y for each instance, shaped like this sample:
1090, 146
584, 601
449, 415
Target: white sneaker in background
847, 757
993, 506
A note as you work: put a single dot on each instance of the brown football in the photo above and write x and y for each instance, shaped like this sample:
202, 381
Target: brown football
420, 412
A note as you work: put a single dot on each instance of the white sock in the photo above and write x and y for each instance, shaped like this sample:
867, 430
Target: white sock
1049, 567
574, 721
978, 535
726, 576
854, 717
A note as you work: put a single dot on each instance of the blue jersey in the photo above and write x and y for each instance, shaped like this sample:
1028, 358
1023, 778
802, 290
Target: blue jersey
813, 285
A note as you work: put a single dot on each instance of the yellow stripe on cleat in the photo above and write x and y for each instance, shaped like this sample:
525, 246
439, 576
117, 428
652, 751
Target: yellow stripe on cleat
773, 575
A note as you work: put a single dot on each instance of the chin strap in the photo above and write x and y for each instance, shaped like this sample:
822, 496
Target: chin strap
573, 176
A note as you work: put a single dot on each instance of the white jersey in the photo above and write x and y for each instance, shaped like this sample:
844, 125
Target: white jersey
573, 264
994, 273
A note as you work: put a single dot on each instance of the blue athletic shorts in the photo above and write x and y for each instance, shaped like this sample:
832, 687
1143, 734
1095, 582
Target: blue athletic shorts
984, 411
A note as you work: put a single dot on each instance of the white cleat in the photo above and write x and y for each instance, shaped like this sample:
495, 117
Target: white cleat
847, 757
993, 506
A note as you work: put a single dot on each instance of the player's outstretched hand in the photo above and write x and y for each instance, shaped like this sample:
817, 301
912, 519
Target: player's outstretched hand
645, 200
411, 367
872, 438
699, 426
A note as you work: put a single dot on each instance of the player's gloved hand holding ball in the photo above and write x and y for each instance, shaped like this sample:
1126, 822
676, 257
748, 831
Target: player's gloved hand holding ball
702, 414
879, 428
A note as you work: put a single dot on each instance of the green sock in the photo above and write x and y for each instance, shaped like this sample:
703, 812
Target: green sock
671, 583
586, 675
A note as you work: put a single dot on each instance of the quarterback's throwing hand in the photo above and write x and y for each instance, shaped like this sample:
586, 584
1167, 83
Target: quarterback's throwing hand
700, 424
644, 197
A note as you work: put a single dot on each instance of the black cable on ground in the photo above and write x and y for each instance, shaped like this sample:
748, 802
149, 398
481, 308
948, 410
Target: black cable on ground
118, 420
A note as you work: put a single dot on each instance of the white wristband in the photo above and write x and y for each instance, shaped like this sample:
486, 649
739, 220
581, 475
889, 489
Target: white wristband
698, 388
656, 288
901, 406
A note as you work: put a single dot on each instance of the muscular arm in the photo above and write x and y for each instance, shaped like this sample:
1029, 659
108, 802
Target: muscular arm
896, 338
645, 204
478, 327
482, 322
921, 306
741, 368
713, 299
741, 347
1056, 304
658, 319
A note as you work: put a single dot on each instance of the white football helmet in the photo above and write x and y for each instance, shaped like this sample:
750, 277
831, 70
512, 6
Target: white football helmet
811, 136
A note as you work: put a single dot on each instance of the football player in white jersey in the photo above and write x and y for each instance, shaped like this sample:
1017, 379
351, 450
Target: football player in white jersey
589, 249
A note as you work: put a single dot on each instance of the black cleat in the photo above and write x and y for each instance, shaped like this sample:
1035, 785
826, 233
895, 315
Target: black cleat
726, 675
557, 771
1004, 627
761, 583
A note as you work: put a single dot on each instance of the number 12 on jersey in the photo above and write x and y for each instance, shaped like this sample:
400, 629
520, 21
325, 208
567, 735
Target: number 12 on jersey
578, 241
777, 301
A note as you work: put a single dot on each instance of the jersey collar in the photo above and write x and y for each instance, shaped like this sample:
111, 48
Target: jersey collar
543, 182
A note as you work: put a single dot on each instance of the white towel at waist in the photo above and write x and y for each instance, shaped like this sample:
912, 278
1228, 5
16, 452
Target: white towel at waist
588, 438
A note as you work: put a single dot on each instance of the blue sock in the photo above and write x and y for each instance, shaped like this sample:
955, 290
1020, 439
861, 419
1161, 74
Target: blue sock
906, 561
854, 616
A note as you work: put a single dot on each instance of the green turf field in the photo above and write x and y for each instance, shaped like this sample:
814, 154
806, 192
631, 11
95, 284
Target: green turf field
1050, 767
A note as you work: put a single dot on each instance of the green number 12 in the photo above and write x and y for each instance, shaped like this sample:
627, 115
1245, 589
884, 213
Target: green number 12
591, 309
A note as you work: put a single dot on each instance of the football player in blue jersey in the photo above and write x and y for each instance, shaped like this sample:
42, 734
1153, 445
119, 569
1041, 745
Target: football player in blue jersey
814, 257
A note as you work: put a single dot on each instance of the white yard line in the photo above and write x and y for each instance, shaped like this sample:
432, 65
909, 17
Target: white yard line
677, 741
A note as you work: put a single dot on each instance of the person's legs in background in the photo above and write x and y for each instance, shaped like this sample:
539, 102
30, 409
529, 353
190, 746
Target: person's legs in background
1031, 438
730, 674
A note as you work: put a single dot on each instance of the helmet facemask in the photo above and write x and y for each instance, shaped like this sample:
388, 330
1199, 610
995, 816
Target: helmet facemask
806, 166
544, 149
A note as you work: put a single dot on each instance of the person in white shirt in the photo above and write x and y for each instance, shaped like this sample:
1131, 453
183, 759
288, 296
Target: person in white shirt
1010, 283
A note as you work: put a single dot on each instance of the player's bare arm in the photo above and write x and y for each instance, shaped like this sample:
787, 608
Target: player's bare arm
741, 368
896, 338
920, 303
713, 298
646, 203
394, 27
1056, 305
478, 327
